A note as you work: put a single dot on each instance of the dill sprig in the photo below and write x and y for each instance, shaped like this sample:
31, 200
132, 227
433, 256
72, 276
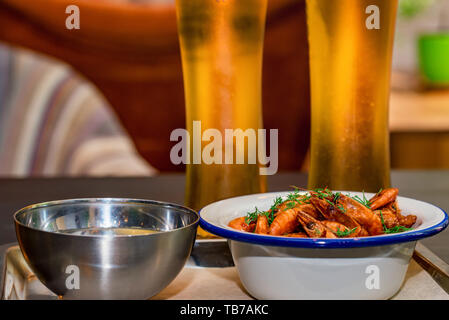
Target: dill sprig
252, 216
396, 229
342, 209
336, 196
273, 209
277, 202
323, 194
364, 201
329, 202
347, 232
383, 221
295, 196
326, 194
270, 216
290, 204
291, 201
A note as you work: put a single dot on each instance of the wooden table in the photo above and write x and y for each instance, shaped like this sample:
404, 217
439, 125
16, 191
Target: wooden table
430, 186
419, 125
419, 111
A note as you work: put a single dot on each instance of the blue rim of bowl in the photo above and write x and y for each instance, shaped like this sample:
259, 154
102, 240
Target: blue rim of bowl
381, 240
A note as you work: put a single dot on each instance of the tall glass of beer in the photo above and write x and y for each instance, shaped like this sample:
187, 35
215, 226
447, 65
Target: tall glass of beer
221, 47
351, 43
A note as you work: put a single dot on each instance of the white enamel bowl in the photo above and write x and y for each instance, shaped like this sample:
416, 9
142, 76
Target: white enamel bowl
296, 268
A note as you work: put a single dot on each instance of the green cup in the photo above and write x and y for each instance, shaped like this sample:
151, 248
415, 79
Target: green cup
433, 51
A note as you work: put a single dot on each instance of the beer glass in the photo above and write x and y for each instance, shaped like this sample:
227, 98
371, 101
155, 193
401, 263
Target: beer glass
221, 47
351, 43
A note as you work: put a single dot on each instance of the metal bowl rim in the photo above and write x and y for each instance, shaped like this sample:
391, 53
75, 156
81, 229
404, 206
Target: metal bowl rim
104, 200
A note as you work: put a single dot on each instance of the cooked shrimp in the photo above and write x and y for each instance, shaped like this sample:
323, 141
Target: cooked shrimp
383, 198
262, 224
285, 222
313, 227
393, 207
310, 210
332, 213
241, 225
389, 217
364, 216
336, 227
325, 214
406, 221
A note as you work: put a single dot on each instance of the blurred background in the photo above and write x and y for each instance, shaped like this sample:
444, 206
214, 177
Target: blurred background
103, 100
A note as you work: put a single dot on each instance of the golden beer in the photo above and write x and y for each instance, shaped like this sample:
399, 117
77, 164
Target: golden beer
351, 43
221, 46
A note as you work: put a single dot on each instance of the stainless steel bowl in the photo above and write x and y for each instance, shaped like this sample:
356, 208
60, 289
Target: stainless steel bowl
71, 247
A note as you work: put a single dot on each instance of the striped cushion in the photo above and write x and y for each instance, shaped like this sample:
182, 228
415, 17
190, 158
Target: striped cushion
53, 122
